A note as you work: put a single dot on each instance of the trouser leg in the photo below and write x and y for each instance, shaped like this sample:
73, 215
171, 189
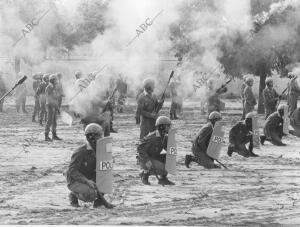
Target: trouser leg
49, 119
83, 192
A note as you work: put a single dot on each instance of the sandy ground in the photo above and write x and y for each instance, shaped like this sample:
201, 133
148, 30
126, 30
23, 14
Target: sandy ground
263, 190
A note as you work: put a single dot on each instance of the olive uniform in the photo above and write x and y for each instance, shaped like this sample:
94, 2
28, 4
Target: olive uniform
145, 114
293, 94
270, 100
273, 129
250, 100
239, 136
295, 122
42, 100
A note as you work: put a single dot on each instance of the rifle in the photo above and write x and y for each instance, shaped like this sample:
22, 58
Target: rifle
164, 93
109, 98
223, 86
282, 93
20, 81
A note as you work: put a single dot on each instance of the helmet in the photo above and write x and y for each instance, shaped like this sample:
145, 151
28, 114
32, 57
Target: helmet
52, 77
249, 79
93, 128
245, 77
21, 74
268, 80
281, 107
59, 75
215, 115
250, 115
148, 82
36, 76
46, 77
162, 120
290, 75
78, 74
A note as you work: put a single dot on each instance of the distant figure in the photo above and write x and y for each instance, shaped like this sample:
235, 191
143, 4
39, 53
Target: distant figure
3, 90
270, 98
250, 100
201, 142
122, 90
37, 80
295, 122
42, 98
176, 100
21, 93
148, 104
213, 97
293, 93
52, 99
243, 86
273, 129
60, 90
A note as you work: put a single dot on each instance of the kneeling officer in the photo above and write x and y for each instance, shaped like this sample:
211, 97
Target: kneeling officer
81, 174
150, 159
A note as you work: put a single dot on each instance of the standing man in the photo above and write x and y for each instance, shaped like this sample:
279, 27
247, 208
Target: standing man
293, 93
243, 86
270, 97
52, 99
149, 157
42, 98
3, 90
37, 80
250, 100
81, 174
21, 93
273, 129
239, 136
176, 100
59, 89
201, 142
147, 109
213, 97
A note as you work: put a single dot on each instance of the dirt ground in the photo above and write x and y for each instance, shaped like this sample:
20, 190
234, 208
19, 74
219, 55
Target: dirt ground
262, 190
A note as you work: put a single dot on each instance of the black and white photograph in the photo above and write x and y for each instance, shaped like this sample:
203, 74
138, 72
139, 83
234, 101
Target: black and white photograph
150, 112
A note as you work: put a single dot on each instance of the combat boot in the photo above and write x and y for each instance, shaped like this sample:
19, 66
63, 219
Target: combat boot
102, 202
55, 137
262, 140
230, 150
165, 181
171, 117
188, 160
41, 123
253, 154
145, 178
73, 200
175, 117
47, 138
33, 119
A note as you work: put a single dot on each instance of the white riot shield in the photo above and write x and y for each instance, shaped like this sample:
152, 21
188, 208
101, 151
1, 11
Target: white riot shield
104, 165
216, 141
255, 130
171, 152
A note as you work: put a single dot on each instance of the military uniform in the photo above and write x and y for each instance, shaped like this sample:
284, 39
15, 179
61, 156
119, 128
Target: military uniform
145, 114
60, 92
21, 93
42, 99
176, 101
52, 98
200, 145
293, 94
239, 136
35, 85
295, 122
2, 92
273, 129
122, 89
81, 169
149, 150
213, 100
270, 100
243, 99
250, 100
